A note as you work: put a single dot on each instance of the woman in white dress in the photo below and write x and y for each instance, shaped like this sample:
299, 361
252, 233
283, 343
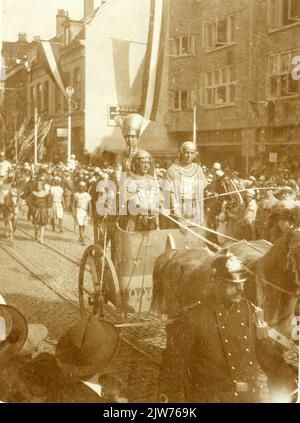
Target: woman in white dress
82, 209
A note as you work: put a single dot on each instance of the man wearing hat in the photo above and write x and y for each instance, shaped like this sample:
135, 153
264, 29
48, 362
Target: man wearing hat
184, 186
18, 342
278, 222
213, 346
132, 126
85, 351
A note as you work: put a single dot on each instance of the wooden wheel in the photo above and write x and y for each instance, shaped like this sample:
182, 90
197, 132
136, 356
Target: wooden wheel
98, 282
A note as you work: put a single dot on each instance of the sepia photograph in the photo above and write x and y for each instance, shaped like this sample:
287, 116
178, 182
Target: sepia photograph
149, 204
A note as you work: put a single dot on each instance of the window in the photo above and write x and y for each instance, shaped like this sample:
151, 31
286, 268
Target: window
46, 96
182, 46
220, 32
181, 100
280, 81
220, 87
283, 13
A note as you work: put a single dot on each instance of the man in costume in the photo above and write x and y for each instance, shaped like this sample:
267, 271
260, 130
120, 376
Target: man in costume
184, 186
214, 346
82, 209
132, 126
140, 196
106, 217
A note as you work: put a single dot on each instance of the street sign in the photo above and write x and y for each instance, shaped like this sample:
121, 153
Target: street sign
62, 132
120, 111
273, 157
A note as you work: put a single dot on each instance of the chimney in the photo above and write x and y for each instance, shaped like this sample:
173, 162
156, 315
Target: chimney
88, 7
22, 37
36, 38
61, 17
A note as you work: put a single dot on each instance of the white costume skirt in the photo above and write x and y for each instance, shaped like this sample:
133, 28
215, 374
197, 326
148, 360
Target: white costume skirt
82, 217
57, 211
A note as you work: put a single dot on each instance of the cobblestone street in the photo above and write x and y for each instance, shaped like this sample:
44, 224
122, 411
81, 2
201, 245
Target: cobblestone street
42, 282
41, 304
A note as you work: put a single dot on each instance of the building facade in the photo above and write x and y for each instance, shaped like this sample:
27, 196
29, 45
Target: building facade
233, 60
103, 59
115, 62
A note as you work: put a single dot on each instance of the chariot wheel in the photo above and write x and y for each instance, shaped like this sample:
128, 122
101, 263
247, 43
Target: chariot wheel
97, 282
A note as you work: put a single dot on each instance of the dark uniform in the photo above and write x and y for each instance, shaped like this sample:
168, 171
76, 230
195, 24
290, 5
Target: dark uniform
212, 354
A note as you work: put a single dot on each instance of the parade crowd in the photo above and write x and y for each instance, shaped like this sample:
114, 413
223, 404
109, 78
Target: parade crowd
235, 206
264, 205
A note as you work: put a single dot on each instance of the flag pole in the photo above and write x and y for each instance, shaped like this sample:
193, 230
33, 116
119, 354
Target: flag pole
298, 333
36, 135
195, 115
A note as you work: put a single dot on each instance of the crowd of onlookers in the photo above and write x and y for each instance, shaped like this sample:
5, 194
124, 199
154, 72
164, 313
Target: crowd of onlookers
237, 206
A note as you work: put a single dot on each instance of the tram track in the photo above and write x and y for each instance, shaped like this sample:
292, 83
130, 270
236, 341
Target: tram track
67, 295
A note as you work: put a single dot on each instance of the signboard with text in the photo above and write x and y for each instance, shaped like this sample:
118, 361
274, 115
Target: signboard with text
62, 132
120, 111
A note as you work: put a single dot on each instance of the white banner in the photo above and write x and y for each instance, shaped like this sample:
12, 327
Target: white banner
53, 64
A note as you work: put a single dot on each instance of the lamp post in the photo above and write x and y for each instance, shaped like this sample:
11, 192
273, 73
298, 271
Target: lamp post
15, 115
69, 93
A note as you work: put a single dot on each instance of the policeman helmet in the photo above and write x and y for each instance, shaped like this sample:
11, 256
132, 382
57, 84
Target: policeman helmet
229, 268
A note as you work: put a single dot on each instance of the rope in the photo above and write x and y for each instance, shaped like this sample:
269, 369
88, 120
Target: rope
241, 190
246, 268
194, 233
212, 231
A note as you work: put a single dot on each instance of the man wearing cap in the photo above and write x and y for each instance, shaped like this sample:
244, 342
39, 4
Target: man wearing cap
184, 186
139, 196
213, 346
